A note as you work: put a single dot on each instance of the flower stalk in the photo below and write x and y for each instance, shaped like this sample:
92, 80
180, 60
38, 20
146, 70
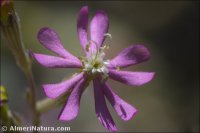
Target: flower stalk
47, 104
32, 97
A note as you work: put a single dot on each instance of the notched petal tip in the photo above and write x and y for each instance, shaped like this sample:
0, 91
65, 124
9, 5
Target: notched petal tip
130, 116
82, 19
42, 30
146, 78
142, 53
47, 36
84, 8
150, 77
112, 129
62, 117
128, 113
101, 12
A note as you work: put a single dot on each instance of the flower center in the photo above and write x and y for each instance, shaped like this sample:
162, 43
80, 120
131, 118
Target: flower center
95, 63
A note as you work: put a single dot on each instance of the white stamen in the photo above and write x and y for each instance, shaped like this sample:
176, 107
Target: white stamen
94, 61
109, 35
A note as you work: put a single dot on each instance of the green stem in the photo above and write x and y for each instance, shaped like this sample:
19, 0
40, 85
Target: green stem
47, 104
31, 81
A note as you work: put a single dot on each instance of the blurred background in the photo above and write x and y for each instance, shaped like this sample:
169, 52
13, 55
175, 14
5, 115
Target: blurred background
170, 29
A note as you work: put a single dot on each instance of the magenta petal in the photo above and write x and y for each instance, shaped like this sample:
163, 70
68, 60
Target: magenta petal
102, 111
56, 62
98, 27
123, 109
50, 40
134, 54
71, 109
82, 26
55, 90
131, 78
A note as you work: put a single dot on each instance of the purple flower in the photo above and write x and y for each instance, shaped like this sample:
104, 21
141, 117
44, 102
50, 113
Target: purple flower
94, 68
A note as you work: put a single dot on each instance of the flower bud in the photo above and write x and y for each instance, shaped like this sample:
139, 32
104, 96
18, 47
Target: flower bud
7, 8
10, 27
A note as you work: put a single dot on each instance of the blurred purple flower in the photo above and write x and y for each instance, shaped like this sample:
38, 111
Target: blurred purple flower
93, 67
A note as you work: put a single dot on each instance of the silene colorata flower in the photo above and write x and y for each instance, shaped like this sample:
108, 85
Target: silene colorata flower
93, 68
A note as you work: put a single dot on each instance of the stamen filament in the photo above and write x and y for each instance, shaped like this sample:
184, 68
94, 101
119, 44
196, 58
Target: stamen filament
94, 62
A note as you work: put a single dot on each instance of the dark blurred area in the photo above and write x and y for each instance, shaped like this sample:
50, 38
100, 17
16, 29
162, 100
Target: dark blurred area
170, 29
